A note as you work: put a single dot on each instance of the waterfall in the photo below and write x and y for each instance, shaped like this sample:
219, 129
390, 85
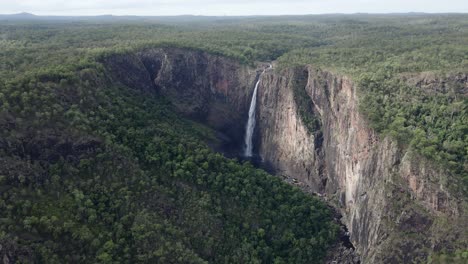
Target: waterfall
251, 123
249, 130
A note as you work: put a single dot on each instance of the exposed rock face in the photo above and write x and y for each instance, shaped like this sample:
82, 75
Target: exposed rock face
432, 83
12, 252
393, 202
396, 205
284, 142
208, 88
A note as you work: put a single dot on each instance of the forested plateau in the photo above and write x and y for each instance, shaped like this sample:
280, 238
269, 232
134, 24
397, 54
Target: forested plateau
121, 139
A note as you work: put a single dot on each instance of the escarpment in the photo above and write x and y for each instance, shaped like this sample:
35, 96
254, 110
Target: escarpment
393, 201
396, 205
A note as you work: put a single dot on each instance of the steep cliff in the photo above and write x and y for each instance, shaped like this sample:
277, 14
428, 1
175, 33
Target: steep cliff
207, 88
396, 205
284, 142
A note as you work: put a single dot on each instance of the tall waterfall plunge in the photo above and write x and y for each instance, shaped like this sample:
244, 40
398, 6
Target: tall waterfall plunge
249, 130
251, 123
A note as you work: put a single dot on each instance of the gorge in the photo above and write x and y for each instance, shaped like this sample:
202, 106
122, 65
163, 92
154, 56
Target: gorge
383, 191
284, 139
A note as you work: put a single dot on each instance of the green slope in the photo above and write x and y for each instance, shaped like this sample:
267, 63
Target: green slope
96, 172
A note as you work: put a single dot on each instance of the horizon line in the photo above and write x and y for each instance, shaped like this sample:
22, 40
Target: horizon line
264, 15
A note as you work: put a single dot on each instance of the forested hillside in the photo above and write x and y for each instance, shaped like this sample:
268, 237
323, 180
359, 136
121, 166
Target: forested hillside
95, 172
92, 171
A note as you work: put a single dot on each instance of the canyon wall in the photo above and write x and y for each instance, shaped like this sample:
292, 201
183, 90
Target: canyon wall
396, 205
207, 88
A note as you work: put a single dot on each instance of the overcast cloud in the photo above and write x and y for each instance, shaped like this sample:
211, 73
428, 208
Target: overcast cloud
227, 7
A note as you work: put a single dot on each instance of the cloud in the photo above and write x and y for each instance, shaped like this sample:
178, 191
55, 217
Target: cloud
227, 7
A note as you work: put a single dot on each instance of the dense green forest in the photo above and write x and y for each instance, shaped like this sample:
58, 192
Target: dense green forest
94, 172
106, 175
91, 171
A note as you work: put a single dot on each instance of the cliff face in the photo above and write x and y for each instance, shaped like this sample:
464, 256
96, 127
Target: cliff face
396, 205
283, 141
207, 88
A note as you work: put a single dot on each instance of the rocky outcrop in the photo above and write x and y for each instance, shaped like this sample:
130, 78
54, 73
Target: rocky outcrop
437, 83
393, 202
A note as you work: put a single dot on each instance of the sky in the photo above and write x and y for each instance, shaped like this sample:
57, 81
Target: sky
227, 7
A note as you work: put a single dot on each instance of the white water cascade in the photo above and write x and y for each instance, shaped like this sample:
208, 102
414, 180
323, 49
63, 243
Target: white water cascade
249, 130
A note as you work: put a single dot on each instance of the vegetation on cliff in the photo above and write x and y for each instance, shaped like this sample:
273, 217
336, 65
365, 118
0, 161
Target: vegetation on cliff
304, 104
